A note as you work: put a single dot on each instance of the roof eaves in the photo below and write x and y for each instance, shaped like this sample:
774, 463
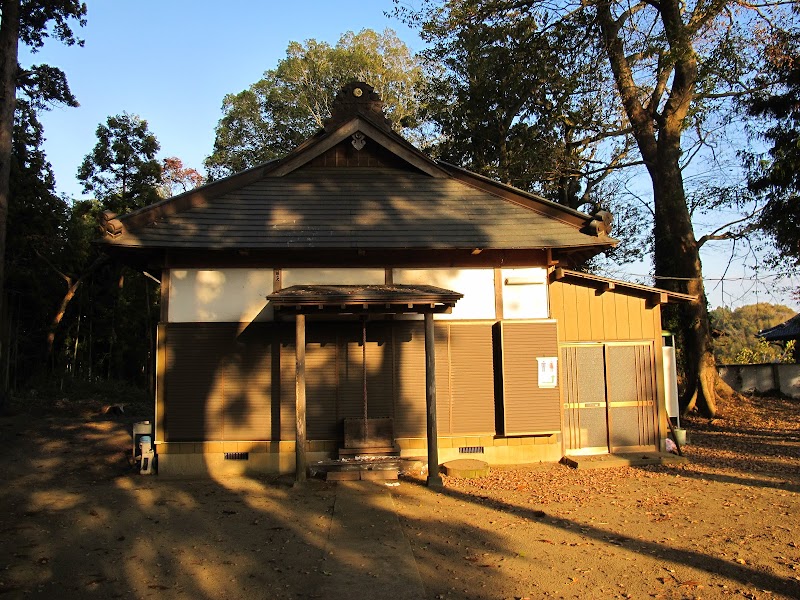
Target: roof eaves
659, 295
114, 226
548, 208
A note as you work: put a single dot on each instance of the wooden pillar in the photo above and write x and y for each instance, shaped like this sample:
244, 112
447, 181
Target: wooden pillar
300, 398
434, 479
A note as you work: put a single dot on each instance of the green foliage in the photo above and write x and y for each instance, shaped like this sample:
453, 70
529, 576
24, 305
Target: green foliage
736, 341
122, 170
291, 101
776, 176
764, 352
515, 101
42, 19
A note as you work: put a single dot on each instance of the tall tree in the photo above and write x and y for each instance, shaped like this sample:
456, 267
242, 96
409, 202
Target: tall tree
520, 103
670, 61
122, 170
30, 22
292, 101
776, 175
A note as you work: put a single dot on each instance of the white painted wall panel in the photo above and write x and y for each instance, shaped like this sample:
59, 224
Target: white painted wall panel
477, 285
290, 277
525, 293
219, 296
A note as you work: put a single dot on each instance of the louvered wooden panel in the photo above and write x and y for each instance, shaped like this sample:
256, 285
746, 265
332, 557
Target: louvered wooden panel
193, 398
248, 390
321, 382
527, 407
471, 379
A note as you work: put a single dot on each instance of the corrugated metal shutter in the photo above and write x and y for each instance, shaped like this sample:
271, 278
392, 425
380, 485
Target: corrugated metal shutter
408, 341
380, 372
471, 379
247, 395
528, 408
322, 382
287, 383
193, 399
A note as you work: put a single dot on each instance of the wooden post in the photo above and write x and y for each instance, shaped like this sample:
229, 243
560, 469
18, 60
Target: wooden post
300, 398
434, 479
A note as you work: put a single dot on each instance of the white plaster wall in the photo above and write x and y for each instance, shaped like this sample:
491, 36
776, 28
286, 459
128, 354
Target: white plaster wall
219, 296
763, 378
290, 277
477, 285
239, 295
525, 293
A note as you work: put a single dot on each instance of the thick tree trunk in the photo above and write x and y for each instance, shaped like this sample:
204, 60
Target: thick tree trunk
9, 50
678, 268
677, 256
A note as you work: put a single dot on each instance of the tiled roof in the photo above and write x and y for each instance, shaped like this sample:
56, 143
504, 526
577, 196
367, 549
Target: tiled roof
321, 207
789, 330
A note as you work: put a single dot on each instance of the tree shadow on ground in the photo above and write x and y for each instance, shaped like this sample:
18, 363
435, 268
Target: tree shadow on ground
539, 521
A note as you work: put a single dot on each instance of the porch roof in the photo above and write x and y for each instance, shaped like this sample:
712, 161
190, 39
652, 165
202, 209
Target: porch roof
359, 299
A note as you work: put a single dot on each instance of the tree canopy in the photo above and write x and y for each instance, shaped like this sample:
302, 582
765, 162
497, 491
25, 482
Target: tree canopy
735, 332
122, 170
776, 175
664, 68
290, 102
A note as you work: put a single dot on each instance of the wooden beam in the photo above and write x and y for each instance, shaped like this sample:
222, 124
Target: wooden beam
300, 398
165, 280
161, 380
656, 299
560, 273
434, 479
498, 294
605, 287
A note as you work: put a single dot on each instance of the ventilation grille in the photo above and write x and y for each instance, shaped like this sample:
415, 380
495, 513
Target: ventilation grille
237, 456
471, 450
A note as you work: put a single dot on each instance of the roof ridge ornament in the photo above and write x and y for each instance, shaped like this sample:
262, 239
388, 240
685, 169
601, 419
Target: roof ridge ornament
357, 98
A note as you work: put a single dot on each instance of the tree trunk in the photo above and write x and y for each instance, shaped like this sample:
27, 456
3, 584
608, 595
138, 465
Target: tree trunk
658, 136
68, 296
9, 50
678, 268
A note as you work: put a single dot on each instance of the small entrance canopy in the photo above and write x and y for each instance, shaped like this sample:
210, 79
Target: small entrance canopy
360, 299
302, 300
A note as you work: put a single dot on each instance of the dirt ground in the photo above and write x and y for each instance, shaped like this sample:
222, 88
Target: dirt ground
75, 522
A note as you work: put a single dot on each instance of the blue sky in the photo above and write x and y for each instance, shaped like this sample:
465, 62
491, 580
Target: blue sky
172, 61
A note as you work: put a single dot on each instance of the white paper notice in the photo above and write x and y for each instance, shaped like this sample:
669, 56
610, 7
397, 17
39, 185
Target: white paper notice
548, 371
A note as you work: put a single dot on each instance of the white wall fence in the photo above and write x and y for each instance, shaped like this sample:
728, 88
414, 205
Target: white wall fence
763, 378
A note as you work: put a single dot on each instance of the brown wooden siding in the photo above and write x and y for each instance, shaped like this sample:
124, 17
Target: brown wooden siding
224, 386
344, 154
585, 314
527, 407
